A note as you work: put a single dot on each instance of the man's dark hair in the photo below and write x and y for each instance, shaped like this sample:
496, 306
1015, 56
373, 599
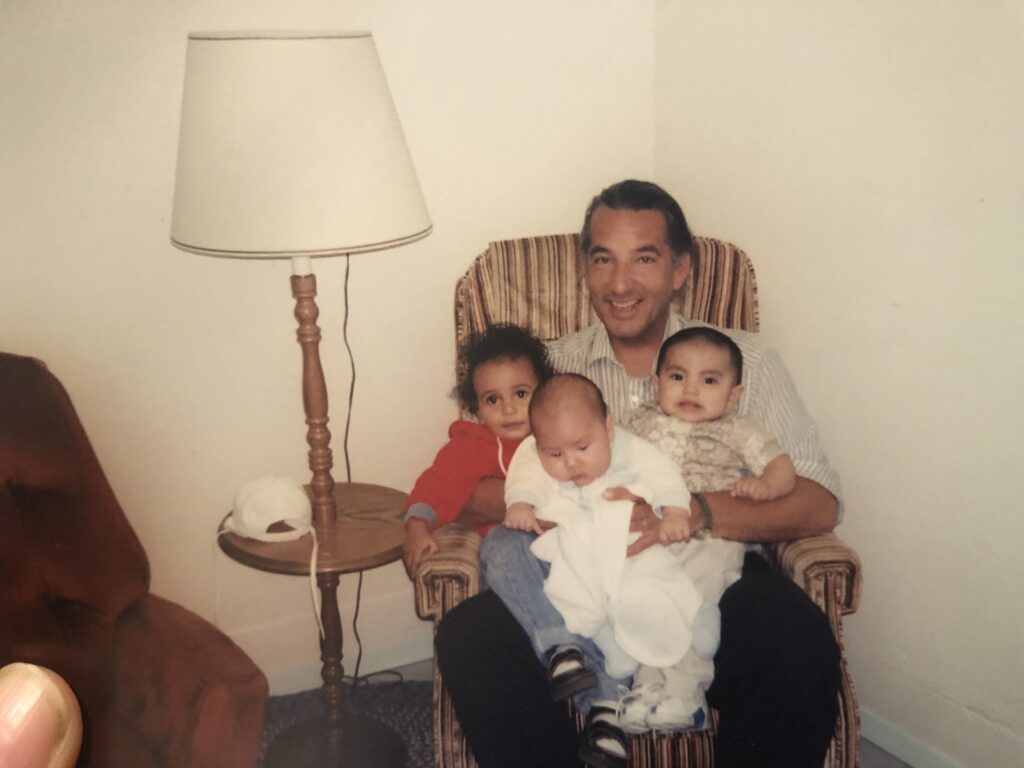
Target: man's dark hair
579, 387
633, 195
710, 336
503, 341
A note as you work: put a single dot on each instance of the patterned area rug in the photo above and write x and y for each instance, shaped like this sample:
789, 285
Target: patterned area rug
405, 706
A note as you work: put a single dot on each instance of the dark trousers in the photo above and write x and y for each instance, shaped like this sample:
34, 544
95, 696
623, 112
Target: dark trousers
776, 681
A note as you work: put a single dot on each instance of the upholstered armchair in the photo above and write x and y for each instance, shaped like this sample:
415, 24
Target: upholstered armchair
534, 283
159, 687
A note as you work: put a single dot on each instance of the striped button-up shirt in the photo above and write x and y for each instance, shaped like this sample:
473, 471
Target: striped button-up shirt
769, 394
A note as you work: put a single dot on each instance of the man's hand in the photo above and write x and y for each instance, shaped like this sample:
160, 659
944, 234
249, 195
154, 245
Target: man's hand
419, 544
643, 521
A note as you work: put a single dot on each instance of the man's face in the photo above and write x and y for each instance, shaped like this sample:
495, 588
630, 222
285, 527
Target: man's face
631, 274
696, 382
574, 444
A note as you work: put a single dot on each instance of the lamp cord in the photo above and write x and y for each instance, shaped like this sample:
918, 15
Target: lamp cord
358, 681
348, 461
352, 381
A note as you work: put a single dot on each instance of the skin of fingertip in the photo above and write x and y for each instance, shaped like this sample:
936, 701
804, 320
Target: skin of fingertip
40, 719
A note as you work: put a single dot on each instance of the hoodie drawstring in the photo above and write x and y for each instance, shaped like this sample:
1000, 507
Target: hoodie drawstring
501, 456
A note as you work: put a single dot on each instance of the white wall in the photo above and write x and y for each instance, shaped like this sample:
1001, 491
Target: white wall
868, 156
185, 369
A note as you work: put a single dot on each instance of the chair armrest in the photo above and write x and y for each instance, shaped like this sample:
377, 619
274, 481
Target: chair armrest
444, 580
830, 572
450, 575
184, 688
824, 567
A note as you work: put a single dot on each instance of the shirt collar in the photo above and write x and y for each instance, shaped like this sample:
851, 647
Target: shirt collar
601, 345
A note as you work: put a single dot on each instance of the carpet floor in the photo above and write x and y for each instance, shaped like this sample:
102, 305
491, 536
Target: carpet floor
405, 706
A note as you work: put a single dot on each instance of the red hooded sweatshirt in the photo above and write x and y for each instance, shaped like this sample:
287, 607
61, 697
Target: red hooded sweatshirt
472, 452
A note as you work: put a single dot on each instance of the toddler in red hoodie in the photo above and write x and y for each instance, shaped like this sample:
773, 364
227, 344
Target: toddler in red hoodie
500, 370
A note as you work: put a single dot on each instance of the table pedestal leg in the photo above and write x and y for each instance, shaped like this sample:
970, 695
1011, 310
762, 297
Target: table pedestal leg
339, 739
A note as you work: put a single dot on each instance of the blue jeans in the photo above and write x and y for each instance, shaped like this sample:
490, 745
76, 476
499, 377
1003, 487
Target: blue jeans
517, 576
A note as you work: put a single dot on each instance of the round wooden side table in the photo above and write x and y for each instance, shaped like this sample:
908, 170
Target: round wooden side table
368, 534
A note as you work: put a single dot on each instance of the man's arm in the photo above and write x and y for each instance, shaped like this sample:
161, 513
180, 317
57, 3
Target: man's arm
486, 504
808, 510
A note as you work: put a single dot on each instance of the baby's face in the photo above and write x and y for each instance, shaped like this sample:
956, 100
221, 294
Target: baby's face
696, 382
574, 444
503, 390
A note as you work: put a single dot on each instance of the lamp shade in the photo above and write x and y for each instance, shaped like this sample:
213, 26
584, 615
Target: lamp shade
290, 146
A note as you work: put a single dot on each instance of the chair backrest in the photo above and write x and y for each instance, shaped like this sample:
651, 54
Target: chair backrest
535, 283
70, 562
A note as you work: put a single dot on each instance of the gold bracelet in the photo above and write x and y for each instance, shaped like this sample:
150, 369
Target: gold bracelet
705, 510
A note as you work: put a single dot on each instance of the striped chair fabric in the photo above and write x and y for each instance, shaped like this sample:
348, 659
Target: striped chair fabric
535, 283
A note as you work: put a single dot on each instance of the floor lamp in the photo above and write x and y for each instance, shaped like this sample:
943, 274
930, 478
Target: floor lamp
291, 148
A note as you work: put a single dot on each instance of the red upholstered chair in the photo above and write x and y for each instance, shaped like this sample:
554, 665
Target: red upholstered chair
533, 282
158, 685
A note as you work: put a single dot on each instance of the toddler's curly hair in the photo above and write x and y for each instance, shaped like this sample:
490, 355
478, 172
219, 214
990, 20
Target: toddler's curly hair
503, 341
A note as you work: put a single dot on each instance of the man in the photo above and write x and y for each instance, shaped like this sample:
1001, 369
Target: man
777, 669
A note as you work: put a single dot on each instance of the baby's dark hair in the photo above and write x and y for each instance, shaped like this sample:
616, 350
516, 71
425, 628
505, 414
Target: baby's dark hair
710, 336
503, 341
572, 385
